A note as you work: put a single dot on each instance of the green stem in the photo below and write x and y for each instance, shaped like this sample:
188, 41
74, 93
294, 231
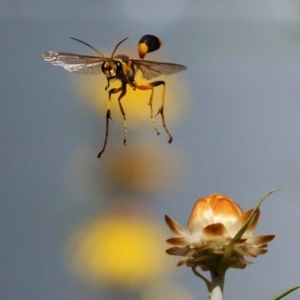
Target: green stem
217, 284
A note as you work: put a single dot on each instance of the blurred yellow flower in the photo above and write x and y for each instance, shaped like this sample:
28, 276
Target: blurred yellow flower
127, 169
213, 223
118, 250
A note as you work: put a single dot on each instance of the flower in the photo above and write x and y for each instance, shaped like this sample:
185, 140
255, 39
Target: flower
110, 250
213, 224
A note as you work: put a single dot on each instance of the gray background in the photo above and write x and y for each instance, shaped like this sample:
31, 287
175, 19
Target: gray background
240, 135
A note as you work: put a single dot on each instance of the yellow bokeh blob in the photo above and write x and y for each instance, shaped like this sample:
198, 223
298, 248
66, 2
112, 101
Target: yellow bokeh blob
141, 167
118, 250
135, 102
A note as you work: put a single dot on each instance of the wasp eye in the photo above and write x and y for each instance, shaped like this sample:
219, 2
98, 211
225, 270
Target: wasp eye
103, 67
118, 67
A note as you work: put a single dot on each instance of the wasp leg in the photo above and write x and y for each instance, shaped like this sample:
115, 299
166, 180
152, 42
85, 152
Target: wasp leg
108, 83
151, 112
131, 84
123, 88
142, 87
151, 86
112, 91
106, 128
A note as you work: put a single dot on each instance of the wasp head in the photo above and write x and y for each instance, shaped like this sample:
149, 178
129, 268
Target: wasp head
112, 69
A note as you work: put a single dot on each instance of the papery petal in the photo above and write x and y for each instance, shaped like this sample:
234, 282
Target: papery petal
175, 227
180, 241
241, 251
178, 251
253, 224
239, 242
253, 251
240, 263
239, 223
224, 208
202, 247
214, 231
200, 217
182, 261
215, 208
186, 258
260, 240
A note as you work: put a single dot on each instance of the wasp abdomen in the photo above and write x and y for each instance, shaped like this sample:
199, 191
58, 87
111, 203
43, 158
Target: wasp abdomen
148, 43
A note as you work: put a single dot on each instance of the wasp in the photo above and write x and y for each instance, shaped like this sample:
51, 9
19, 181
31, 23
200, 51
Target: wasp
123, 68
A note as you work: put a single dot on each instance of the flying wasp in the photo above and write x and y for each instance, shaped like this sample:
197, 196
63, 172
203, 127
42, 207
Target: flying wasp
123, 68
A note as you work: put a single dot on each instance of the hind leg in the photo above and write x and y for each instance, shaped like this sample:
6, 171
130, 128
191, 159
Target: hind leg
151, 86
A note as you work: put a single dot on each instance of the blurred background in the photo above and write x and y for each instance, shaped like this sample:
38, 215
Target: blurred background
76, 227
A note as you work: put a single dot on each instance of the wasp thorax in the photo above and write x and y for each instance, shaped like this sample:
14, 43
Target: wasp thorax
112, 69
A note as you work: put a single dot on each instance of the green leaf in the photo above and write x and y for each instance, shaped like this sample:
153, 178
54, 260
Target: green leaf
246, 225
286, 292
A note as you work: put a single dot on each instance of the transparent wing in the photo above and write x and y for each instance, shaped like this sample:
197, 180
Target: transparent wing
152, 69
75, 63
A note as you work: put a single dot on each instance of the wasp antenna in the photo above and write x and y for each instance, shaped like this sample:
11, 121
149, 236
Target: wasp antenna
117, 47
80, 41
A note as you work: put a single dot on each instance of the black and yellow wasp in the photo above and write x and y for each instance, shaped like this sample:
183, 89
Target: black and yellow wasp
123, 68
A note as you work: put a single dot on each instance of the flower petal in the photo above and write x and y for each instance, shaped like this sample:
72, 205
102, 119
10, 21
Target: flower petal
224, 208
182, 261
175, 227
186, 258
254, 251
213, 231
180, 241
260, 240
178, 251
239, 223
200, 217
240, 263
214, 208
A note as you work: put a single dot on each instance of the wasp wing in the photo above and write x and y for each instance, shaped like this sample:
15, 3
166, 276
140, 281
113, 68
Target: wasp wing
75, 63
152, 69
